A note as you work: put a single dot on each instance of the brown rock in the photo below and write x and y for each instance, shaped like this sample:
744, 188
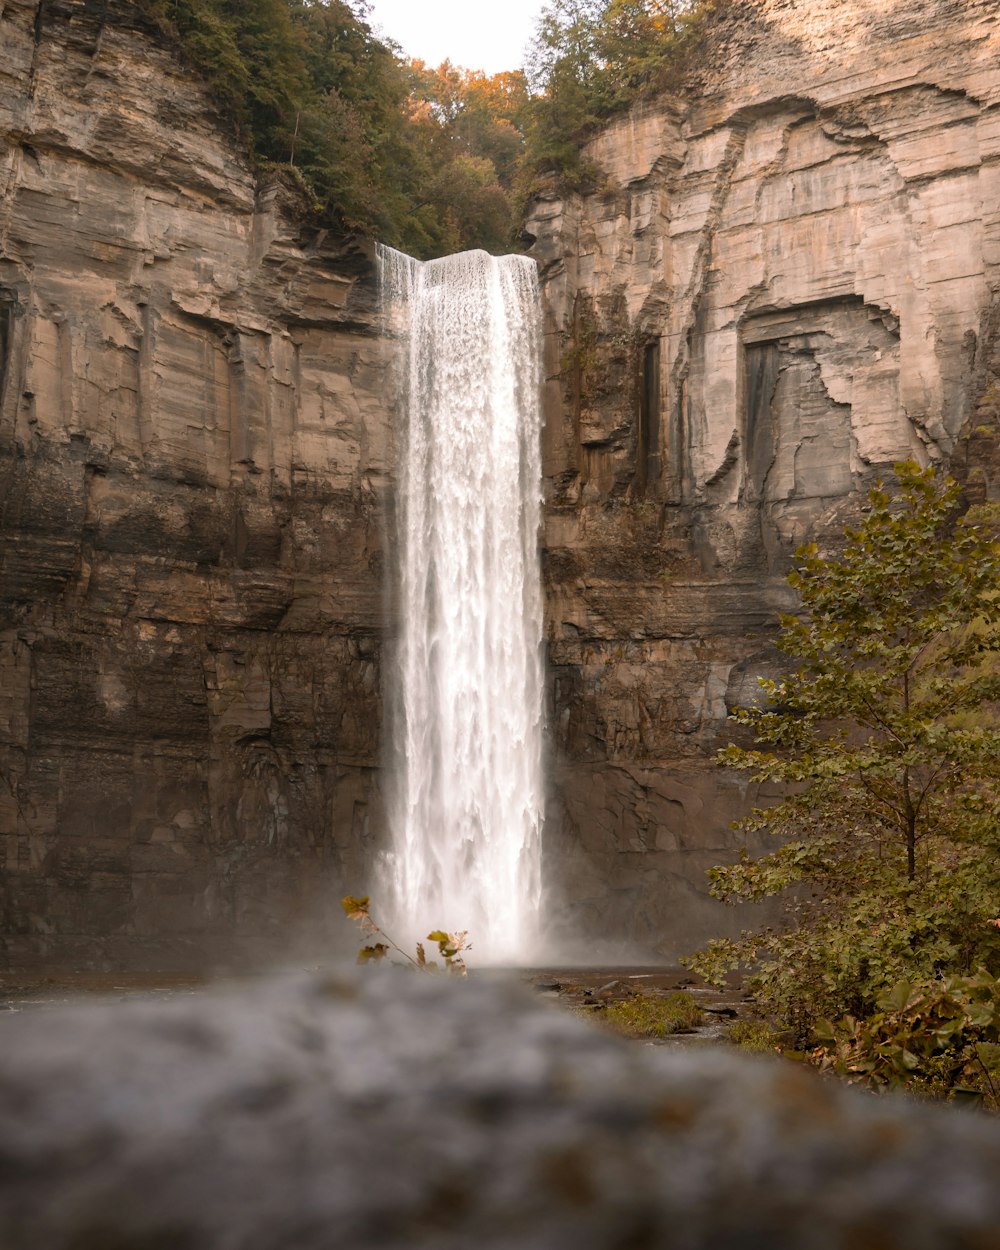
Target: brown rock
194, 449
785, 281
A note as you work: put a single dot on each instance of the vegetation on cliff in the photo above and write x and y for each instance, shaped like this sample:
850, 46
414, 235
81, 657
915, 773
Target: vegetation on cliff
886, 745
422, 158
590, 59
431, 160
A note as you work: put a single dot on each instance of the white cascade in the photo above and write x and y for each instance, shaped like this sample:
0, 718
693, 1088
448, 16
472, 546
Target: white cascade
467, 813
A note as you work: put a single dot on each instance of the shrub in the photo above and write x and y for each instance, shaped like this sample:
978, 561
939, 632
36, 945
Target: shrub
940, 1038
754, 1035
886, 745
648, 1015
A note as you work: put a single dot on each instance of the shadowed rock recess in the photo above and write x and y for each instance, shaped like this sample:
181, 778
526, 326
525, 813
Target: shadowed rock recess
397, 1111
784, 276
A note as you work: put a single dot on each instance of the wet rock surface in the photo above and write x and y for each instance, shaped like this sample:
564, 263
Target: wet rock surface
590, 991
401, 1111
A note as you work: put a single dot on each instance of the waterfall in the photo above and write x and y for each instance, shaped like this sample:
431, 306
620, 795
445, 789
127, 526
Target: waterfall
466, 816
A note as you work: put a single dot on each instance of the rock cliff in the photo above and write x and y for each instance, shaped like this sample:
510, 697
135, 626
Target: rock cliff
782, 279
193, 455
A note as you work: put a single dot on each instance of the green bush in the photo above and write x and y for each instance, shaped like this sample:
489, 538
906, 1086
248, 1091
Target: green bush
648, 1015
886, 745
754, 1035
941, 1038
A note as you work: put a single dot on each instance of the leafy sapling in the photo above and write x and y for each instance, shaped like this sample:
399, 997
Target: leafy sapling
885, 744
450, 945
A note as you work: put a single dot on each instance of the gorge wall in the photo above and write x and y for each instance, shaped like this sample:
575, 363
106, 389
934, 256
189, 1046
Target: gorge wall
779, 281
193, 458
782, 277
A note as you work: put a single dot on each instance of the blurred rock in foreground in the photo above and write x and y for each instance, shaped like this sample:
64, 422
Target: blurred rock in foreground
403, 1111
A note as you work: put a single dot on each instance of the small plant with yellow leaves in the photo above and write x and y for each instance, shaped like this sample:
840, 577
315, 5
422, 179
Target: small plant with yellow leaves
450, 945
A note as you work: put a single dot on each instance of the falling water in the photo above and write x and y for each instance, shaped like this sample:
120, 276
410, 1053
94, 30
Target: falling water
468, 811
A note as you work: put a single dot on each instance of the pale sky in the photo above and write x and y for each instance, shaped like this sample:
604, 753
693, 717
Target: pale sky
477, 34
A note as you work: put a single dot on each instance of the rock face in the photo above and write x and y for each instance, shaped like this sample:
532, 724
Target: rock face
193, 458
782, 281
403, 1111
784, 278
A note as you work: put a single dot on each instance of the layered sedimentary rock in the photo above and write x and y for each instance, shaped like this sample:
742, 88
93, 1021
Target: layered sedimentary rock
783, 279
193, 455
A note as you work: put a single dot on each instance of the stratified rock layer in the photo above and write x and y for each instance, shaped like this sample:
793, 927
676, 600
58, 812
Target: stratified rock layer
193, 454
785, 279
404, 1111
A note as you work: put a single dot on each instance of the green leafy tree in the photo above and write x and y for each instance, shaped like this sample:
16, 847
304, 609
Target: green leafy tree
466, 124
886, 746
481, 115
423, 159
492, 119
588, 60
564, 73
251, 54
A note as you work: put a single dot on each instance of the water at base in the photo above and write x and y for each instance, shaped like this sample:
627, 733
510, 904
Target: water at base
466, 818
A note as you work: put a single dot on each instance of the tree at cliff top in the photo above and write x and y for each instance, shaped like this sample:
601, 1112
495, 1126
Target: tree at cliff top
590, 59
429, 160
314, 90
469, 126
886, 746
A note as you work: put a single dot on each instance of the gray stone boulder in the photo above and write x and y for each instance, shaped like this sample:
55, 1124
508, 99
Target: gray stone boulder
390, 1110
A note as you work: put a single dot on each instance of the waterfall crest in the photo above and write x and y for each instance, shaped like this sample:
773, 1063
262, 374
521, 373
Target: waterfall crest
467, 813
